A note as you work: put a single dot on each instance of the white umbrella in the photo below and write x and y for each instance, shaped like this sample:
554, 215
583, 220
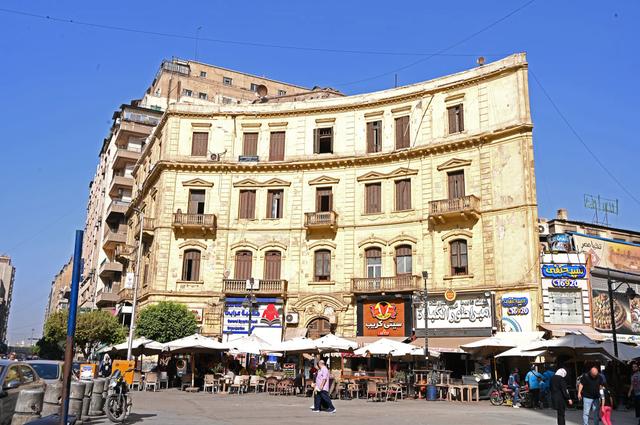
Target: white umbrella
521, 352
625, 352
142, 345
386, 347
252, 344
331, 342
500, 342
299, 345
193, 344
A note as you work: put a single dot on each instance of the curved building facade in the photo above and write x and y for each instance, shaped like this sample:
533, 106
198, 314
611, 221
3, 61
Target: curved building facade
324, 213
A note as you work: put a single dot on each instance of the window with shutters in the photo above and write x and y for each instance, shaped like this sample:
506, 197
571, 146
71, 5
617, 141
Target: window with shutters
272, 265
250, 144
459, 261
404, 260
196, 201
191, 265
253, 87
324, 199
456, 184
276, 146
373, 262
372, 198
282, 92
402, 132
227, 81
247, 208
456, 118
244, 260
199, 144
403, 195
374, 136
323, 140
274, 203
322, 265
145, 275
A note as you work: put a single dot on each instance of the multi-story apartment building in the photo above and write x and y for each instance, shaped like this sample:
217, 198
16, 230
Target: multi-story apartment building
60, 290
324, 213
7, 276
177, 81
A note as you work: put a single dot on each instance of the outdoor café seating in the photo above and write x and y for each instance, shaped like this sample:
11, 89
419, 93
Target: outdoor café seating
164, 379
257, 383
210, 383
151, 381
137, 381
185, 381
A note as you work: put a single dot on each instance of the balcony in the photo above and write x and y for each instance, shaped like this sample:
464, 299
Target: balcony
117, 206
107, 297
404, 283
112, 237
321, 220
120, 182
147, 229
125, 295
125, 252
465, 208
206, 223
109, 269
125, 156
266, 287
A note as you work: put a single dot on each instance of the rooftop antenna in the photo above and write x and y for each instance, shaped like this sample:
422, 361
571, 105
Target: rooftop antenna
600, 205
395, 84
197, 39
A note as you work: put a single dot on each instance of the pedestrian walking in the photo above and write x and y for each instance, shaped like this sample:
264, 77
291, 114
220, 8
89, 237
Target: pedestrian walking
534, 379
589, 392
634, 389
321, 390
560, 394
545, 388
514, 384
606, 406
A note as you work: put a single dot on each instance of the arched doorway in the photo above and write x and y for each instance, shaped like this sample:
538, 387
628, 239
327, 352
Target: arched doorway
318, 327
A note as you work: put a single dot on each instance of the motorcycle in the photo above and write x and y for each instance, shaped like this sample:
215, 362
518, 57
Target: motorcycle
501, 394
118, 403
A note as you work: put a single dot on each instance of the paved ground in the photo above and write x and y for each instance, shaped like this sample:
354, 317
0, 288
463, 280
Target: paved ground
170, 407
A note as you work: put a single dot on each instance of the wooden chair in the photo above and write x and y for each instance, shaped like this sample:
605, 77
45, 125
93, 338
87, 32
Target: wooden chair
271, 385
137, 381
164, 379
185, 381
210, 382
151, 381
257, 383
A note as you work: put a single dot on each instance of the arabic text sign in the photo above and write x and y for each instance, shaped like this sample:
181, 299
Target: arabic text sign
383, 319
516, 312
467, 311
236, 318
609, 254
566, 271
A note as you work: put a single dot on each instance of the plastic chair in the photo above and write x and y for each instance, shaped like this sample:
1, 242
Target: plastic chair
164, 379
137, 381
151, 380
210, 382
185, 381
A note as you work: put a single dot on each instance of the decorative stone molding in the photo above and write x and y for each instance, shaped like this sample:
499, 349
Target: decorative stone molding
454, 163
251, 124
275, 182
458, 233
401, 109
372, 240
278, 124
317, 304
273, 244
402, 239
198, 182
325, 120
321, 244
323, 180
375, 175
201, 124
454, 98
375, 114
244, 244
192, 243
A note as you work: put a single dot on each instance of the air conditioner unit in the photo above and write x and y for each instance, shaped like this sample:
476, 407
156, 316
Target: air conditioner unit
543, 229
292, 318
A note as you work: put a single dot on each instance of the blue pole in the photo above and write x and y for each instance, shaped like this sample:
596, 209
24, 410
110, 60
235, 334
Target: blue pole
71, 326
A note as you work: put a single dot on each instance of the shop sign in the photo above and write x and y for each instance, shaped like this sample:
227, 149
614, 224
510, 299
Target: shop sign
516, 312
198, 313
467, 311
383, 318
609, 254
289, 370
565, 283
568, 271
128, 280
266, 319
559, 242
626, 312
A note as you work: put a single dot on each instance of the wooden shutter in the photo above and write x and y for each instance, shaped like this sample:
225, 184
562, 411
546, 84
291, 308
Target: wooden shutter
455, 257
460, 117
272, 265
276, 146
247, 207
322, 265
453, 128
270, 204
250, 144
462, 253
316, 141
403, 195
372, 198
199, 144
320, 193
243, 265
456, 184
370, 141
402, 132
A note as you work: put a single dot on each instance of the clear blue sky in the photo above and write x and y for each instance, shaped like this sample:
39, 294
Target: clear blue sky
61, 82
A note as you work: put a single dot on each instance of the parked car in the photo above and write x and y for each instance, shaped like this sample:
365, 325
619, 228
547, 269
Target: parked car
49, 370
15, 376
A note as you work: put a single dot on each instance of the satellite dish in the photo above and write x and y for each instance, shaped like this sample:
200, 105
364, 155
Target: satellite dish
262, 90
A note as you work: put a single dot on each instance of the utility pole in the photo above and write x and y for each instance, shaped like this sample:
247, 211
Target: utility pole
132, 326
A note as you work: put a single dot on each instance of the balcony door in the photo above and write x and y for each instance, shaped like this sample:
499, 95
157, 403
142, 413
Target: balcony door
456, 184
318, 328
324, 199
196, 202
244, 259
272, 265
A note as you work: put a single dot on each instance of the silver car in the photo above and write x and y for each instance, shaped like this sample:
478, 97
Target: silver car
48, 370
15, 376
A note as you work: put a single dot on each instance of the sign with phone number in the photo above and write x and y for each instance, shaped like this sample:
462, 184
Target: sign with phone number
564, 283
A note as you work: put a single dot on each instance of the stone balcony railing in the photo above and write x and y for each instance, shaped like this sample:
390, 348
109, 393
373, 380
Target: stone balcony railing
185, 221
265, 287
320, 220
465, 207
369, 285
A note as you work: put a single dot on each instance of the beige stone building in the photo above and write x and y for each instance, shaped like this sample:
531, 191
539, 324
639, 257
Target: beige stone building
60, 290
328, 210
7, 277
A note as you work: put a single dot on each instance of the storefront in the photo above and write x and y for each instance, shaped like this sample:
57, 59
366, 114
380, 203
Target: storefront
266, 319
516, 312
384, 316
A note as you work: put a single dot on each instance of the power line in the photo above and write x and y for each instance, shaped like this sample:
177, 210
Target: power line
235, 42
581, 140
440, 52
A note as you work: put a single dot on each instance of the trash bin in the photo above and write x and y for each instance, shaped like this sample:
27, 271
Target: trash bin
432, 392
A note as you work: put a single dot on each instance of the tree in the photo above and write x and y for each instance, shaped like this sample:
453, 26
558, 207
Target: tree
92, 329
49, 350
166, 321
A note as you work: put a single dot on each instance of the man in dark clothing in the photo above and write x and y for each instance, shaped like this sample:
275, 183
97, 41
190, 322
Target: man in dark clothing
560, 394
589, 391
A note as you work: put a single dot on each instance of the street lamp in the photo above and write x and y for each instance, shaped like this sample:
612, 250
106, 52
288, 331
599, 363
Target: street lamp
425, 294
250, 301
630, 293
134, 303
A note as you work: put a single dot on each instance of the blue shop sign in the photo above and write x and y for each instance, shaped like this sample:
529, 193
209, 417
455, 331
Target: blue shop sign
566, 271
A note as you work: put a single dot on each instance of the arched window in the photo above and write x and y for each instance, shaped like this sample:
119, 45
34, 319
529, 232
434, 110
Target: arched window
322, 265
191, 265
459, 261
272, 263
318, 328
373, 259
242, 269
404, 260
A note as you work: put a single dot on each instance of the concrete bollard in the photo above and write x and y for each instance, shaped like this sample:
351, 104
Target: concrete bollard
75, 399
97, 401
52, 399
28, 406
86, 400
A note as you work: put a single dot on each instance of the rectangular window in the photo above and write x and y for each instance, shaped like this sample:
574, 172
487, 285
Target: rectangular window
145, 275
274, 203
459, 260
196, 201
187, 92
272, 265
276, 146
244, 261
374, 136
199, 144
323, 140
227, 101
402, 132
403, 195
247, 204
202, 96
456, 184
250, 144
227, 81
324, 199
322, 272
404, 261
191, 265
253, 87
456, 118
282, 92
373, 262
203, 74
372, 201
